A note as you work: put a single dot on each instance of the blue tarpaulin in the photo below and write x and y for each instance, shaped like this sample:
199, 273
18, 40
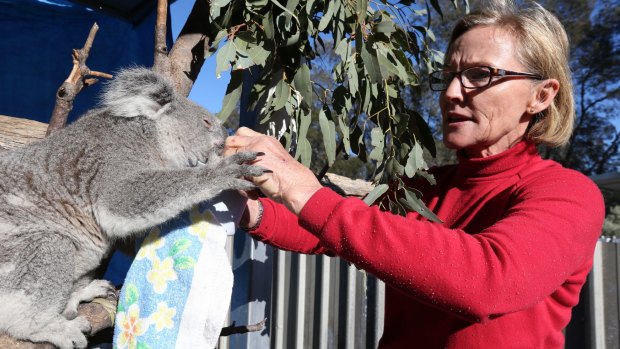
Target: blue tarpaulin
38, 38
36, 52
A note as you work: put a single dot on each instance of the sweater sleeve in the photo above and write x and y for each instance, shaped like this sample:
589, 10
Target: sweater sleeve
279, 227
547, 235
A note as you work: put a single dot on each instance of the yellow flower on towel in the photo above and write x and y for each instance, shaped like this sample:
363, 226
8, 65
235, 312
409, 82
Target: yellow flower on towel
200, 223
160, 273
150, 245
131, 326
163, 316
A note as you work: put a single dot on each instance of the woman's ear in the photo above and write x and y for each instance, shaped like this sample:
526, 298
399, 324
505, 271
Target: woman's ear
543, 95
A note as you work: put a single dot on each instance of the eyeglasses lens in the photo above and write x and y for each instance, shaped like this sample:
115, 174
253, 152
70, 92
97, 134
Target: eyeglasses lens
476, 77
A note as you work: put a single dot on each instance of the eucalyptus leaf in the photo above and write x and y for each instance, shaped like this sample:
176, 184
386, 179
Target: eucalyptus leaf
220, 3
386, 27
282, 94
352, 77
246, 36
375, 194
219, 36
371, 63
415, 161
304, 124
327, 16
304, 149
422, 131
412, 202
303, 84
344, 129
436, 6
429, 177
361, 8
268, 26
343, 49
377, 140
233, 93
328, 128
224, 57
259, 55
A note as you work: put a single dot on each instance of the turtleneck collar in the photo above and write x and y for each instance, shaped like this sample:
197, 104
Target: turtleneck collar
500, 165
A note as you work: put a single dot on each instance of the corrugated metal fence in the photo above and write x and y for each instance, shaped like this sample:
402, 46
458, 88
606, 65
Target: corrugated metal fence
309, 301
322, 302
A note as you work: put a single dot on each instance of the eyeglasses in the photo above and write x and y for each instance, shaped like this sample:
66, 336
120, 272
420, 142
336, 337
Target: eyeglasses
474, 77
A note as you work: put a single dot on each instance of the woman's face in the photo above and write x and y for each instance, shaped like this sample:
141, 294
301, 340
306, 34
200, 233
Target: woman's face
491, 119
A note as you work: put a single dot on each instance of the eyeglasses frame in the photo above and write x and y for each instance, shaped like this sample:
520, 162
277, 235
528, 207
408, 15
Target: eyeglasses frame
494, 72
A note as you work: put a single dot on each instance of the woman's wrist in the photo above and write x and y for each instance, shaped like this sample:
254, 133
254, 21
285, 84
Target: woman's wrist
298, 199
252, 215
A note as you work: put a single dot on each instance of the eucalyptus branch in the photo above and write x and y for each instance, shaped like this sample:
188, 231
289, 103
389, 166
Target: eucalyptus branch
79, 77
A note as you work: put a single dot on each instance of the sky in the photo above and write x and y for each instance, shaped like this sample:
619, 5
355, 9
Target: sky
208, 91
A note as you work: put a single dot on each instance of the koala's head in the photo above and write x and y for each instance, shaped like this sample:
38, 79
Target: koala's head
187, 134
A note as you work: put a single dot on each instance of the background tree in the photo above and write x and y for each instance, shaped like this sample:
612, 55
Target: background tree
593, 28
380, 46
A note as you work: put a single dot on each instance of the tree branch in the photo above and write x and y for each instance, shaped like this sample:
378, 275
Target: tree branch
230, 330
611, 150
78, 78
188, 52
161, 63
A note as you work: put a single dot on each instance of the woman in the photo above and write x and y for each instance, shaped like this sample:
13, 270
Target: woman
518, 234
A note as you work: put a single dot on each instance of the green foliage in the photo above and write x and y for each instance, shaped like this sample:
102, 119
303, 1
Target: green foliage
381, 46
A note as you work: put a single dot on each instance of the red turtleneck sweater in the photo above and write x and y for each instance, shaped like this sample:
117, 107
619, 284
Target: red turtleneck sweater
502, 271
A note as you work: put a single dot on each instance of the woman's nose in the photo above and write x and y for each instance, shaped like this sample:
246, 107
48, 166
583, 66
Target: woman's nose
454, 89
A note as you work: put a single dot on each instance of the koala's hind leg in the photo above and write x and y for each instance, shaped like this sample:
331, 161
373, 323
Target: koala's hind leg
55, 329
42, 280
94, 289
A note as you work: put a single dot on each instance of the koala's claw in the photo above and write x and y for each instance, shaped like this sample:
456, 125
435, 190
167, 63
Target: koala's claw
244, 156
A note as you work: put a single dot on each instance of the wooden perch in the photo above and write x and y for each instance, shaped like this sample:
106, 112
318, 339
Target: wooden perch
79, 77
16, 132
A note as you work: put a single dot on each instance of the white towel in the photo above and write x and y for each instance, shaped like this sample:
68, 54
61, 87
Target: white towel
177, 291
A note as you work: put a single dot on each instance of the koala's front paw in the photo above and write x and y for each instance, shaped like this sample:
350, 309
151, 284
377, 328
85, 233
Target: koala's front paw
69, 334
231, 170
75, 332
95, 289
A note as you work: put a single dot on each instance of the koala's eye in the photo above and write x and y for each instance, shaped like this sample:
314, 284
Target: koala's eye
207, 122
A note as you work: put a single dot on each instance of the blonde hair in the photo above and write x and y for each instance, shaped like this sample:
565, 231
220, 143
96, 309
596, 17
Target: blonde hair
543, 48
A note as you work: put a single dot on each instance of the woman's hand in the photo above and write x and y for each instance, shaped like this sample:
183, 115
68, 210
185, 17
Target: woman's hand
289, 183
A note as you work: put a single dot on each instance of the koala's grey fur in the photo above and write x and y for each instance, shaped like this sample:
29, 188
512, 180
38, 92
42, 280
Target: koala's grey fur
143, 157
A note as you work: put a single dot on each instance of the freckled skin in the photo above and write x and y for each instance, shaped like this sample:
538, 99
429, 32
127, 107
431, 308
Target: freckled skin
496, 115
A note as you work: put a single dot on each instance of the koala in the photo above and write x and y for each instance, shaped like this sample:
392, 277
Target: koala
143, 156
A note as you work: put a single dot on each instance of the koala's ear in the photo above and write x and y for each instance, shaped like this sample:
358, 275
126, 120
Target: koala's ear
138, 92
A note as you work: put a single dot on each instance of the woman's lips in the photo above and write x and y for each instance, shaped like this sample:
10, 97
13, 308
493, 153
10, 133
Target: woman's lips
454, 118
